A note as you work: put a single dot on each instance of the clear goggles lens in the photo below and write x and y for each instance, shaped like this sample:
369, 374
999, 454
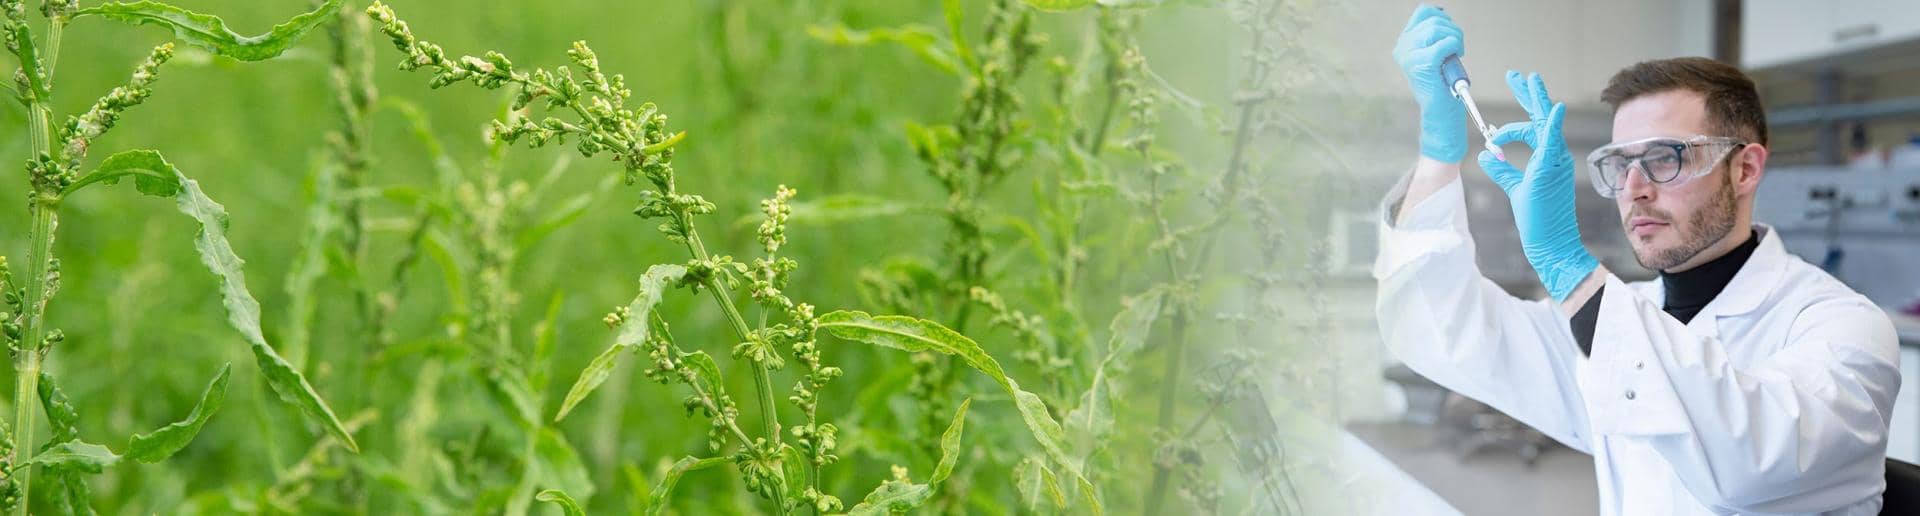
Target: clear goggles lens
1663, 160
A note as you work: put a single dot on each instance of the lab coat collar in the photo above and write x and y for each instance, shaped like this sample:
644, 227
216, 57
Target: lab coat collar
1749, 287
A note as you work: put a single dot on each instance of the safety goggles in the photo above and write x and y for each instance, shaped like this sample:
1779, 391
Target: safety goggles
1664, 160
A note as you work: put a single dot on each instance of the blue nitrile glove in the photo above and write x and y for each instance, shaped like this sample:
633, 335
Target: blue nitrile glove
1429, 38
1542, 197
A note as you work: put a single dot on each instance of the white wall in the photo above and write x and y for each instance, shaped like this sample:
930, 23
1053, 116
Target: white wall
1575, 45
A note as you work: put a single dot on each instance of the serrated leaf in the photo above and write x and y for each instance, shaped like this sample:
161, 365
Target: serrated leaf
159, 444
243, 312
69, 495
67, 489
915, 335
77, 455
657, 501
61, 417
1059, 5
561, 499
631, 334
210, 32
151, 173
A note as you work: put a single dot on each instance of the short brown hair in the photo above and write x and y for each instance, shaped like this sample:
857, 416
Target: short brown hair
1733, 104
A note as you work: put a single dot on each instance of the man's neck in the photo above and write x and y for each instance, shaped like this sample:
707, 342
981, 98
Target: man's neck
1741, 233
1689, 291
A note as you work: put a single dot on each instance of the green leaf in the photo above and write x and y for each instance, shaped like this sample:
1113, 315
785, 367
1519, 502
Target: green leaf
543, 337
918, 38
561, 499
158, 445
1059, 5
67, 493
568, 211
950, 444
931, 142
310, 263
510, 390
707, 371
657, 502
151, 173
559, 466
77, 455
915, 335
1033, 479
892, 497
61, 416
1093, 419
36, 75
837, 209
632, 333
956, 26
793, 469
243, 312
899, 496
210, 32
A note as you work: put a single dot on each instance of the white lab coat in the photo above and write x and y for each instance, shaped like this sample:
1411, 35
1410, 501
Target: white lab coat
1774, 399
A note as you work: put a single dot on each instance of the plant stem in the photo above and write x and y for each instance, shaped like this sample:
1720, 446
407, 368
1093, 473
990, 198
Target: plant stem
26, 360
1169, 386
27, 366
26, 363
763, 384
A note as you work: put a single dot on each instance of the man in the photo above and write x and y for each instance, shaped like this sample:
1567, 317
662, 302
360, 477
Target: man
1742, 381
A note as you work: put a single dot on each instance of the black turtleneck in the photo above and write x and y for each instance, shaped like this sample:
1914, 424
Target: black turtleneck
1687, 291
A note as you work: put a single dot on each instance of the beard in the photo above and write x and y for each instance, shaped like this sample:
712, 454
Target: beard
1709, 225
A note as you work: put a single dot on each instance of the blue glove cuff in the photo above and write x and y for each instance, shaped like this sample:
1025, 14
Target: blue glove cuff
1562, 276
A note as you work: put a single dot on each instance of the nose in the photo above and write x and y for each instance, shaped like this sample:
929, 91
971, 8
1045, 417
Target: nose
1635, 184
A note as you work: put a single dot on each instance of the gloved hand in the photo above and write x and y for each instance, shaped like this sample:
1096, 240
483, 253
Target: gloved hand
1429, 38
1542, 197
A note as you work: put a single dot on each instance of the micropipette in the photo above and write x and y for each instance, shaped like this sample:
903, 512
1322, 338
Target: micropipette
1456, 75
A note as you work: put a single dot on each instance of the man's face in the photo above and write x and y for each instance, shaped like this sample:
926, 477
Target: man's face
1670, 224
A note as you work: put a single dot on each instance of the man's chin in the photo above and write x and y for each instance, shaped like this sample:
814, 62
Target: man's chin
1647, 257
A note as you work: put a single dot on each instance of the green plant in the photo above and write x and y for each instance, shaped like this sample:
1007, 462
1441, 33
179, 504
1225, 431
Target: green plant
55, 173
784, 468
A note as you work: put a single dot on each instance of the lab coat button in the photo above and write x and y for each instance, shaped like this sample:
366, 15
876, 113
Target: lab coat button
1639, 365
1629, 394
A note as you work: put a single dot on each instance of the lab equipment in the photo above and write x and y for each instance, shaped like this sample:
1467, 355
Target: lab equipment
1456, 76
1666, 160
1542, 197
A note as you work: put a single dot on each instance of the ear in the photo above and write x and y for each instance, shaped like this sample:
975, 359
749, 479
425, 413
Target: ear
1747, 167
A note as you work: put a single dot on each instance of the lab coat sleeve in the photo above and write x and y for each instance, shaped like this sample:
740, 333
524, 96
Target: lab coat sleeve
1441, 317
1803, 431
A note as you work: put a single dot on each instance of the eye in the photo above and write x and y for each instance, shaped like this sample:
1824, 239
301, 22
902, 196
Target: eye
1611, 163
